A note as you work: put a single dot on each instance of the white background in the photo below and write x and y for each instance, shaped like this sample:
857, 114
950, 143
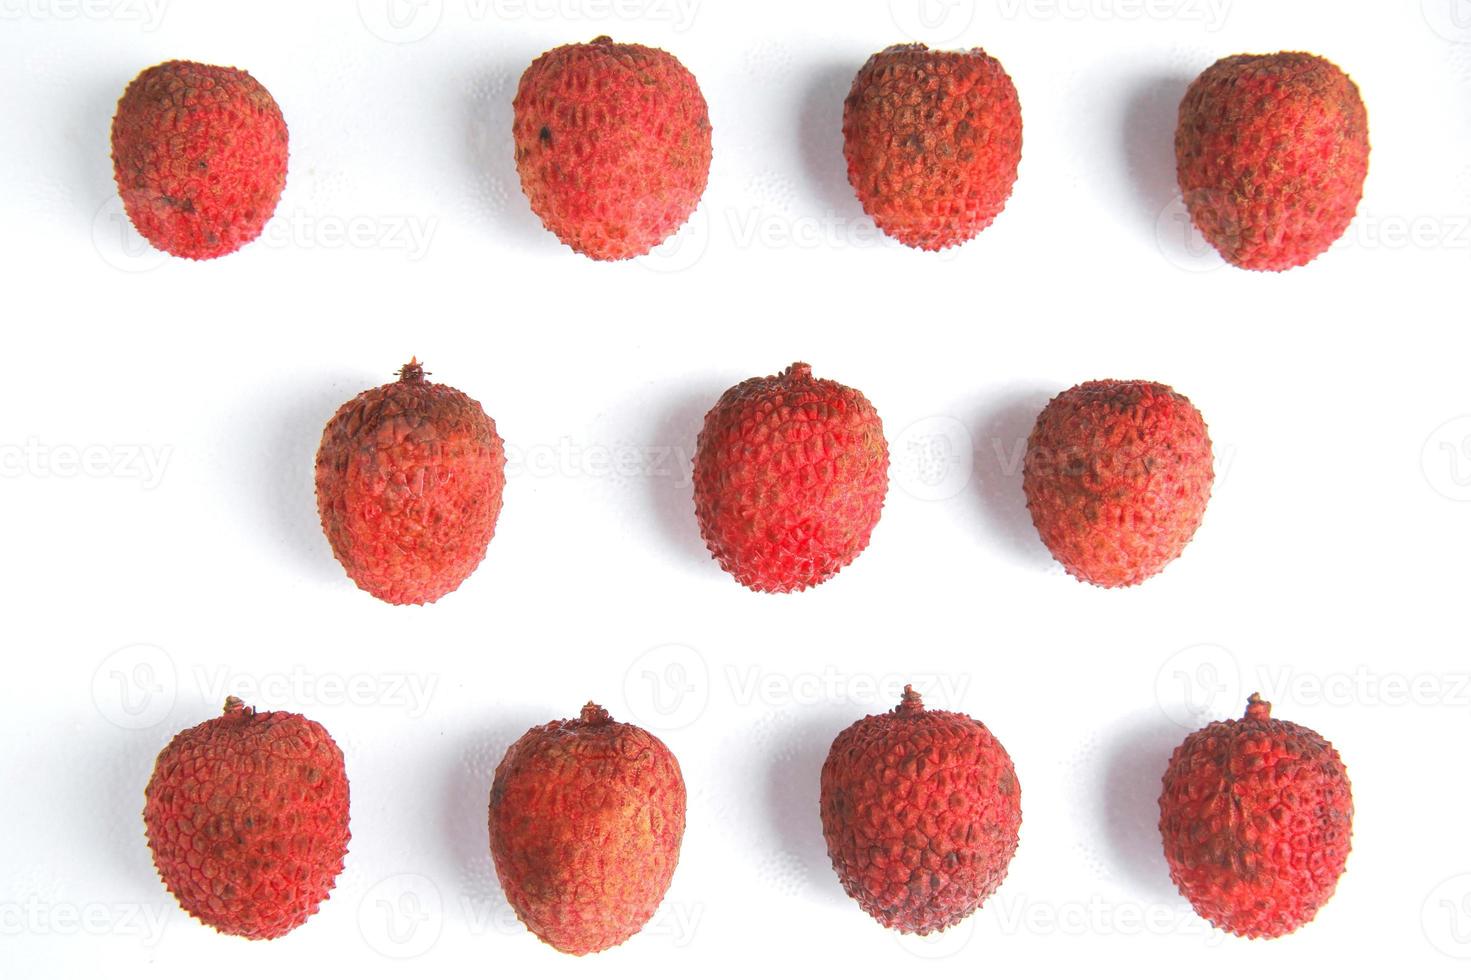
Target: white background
158, 420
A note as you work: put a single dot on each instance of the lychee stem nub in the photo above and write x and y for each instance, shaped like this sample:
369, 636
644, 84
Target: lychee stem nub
412, 371
593, 714
235, 706
1257, 709
911, 703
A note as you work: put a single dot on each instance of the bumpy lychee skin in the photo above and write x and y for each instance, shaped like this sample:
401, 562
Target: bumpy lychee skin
586, 820
933, 140
612, 145
922, 813
1117, 476
199, 155
247, 819
790, 474
1271, 152
409, 482
1257, 817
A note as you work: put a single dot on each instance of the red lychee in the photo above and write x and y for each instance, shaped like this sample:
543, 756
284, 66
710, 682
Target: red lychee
409, 482
199, 155
1271, 152
922, 813
1117, 476
612, 145
1257, 817
933, 140
790, 474
586, 821
247, 819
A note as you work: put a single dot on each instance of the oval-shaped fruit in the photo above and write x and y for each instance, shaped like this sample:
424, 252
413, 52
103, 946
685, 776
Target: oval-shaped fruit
1117, 475
586, 819
247, 818
1271, 152
933, 140
409, 482
1256, 817
612, 145
199, 155
922, 813
790, 474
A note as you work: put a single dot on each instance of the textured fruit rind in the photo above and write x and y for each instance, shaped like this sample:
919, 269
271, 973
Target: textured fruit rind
921, 811
199, 155
586, 820
933, 140
1257, 820
612, 145
247, 818
409, 482
790, 474
1271, 154
1117, 476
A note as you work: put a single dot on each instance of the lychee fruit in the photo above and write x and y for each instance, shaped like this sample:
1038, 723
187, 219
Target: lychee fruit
409, 481
789, 476
1117, 475
1257, 817
586, 820
246, 816
199, 155
922, 812
1271, 152
933, 140
612, 145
